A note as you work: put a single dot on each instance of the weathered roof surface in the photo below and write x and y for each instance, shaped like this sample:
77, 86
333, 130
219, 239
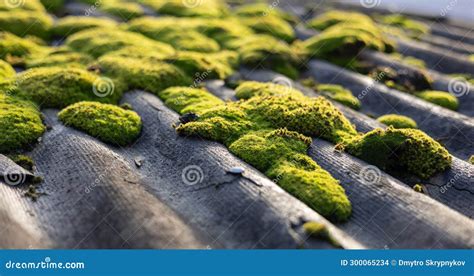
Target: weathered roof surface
101, 196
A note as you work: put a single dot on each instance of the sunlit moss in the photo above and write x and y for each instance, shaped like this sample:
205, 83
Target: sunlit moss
122, 9
24, 23
397, 121
332, 18
15, 49
413, 27
263, 9
205, 65
208, 8
471, 159
69, 25
61, 59
440, 98
6, 71
185, 99
270, 25
108, 123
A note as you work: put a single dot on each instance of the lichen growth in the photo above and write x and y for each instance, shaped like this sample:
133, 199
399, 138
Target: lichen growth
401, 149
24, 23
57, 87
106, 122
20, 122
397, 121
441, 98
99, 41
6, 71
69, 25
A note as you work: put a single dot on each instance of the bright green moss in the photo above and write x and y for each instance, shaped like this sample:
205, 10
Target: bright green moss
24, 23
190, 41
418, 188
20, 122
205, 65
53, 5
332, 18
270, 25
69, 25
440, 98
122, 9
339, 94
224, 31
185, 100
30, 5
471, 159
58, 87
409, 60
401, 149
262, 9
264, 50
249, 89
208, 8
15, 50
397, 121
61, 59
99, 41
153, 76
414, 28
106, 122
6, 71
316, 229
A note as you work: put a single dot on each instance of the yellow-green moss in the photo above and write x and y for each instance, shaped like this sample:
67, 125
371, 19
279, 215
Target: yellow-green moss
122, 9
208, 8
61, 59
412, 27
6, 71
186, 100
409, 60
69, 25
440, 98
264, 50
263, 9
249, 89
401, 149
53, 5
99, 41
153, 76
332, 18
339, 94
15, 49
58, 87
24, 23
106, 122
397, 121
471, 159
418, 188
270, 25
20, 123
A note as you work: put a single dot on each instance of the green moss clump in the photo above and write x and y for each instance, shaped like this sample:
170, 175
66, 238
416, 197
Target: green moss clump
109, 123
316, 230
208, 8
270, 25
397, 121
122, 9
186, 100
418, 188
99, 41
61, 59
69, 25
15, 49
153, 76
264, 50
331, 18
339, 94
471, 159
440, 98
24, 23
20, 122
401, 149
224, 31
190, 41
58, 87
53, 5
414, 28
262, 9
6, 71
23, 161
249, 89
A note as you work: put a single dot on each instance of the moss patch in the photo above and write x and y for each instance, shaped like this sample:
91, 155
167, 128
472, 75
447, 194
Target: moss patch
122, 9
397, 121
412, 27
471, 159
69, 25
106, 122
53, 5
15, 50
208, 8
24, 23
20, 122
249, 89
189, 100
401, 149
23, 161
402, 80
263, 9
339, 94
6, 71
143, 74
440, 98
58, 87
270, 25
61, 59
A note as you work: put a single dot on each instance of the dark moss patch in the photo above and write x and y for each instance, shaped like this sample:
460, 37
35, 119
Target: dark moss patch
23, 161
153, 76
69, 25
15, 50
402, 80
53, 5
397, 121
440, 98
106, 122
401, 149
20, 122
24, 23
58, 87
